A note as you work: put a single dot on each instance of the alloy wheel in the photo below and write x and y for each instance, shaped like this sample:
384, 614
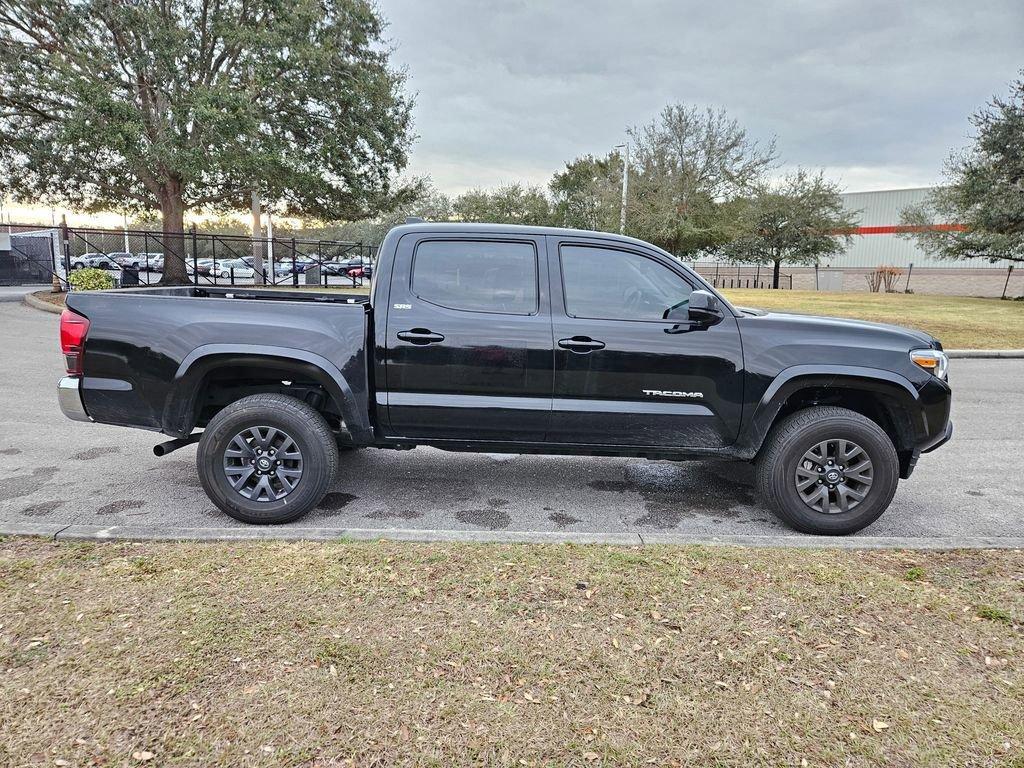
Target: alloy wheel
834, 476
263, 464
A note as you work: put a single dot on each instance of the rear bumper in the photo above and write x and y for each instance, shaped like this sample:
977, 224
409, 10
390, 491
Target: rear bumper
69, 395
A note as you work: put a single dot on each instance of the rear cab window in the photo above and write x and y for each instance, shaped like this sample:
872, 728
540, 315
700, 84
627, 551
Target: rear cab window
477, 276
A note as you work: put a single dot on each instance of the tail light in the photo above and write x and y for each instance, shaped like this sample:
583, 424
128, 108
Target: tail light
73, 329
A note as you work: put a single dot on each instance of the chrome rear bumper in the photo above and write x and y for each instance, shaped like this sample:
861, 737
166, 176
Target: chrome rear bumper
69, 395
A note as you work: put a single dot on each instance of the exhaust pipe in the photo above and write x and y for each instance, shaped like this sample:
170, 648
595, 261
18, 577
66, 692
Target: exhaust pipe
162, 449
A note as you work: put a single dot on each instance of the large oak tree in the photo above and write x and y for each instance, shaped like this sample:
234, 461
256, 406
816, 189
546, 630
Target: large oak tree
799, 220
689, 163
984, 196
176, 105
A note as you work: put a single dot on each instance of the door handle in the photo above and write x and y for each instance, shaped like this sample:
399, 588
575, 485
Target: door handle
580, 344
420, 336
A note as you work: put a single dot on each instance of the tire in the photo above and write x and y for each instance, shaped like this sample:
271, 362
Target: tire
310, 435
77, 265
784, 462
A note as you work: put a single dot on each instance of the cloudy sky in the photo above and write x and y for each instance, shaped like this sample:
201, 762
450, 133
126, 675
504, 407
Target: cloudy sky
877, 93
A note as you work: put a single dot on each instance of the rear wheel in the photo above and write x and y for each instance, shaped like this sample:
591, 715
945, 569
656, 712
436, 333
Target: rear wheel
828, 470
267, 458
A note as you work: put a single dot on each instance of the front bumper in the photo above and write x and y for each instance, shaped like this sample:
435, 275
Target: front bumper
945, 438
69, 395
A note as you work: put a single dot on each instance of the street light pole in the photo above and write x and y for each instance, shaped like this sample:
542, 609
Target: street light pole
625, 188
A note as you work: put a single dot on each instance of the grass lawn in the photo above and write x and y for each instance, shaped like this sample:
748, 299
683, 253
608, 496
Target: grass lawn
381, 653
958, 322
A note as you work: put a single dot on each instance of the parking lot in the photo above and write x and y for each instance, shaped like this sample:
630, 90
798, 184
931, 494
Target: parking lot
84, 479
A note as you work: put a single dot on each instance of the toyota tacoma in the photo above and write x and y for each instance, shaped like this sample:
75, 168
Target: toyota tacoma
509, 339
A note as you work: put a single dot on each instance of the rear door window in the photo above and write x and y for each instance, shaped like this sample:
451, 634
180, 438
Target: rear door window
477, 276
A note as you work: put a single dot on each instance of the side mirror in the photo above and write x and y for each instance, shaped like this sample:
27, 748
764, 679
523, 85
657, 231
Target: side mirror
704, 308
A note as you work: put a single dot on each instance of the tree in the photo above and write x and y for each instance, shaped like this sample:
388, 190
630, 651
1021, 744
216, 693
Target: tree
798, 221
587, 194
984, 198
687, 165
175, 105
429, 204
509, 204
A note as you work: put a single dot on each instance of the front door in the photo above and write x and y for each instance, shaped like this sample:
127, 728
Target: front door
624, 374
468, 350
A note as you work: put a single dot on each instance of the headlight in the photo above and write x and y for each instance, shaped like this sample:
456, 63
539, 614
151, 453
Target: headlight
932, 360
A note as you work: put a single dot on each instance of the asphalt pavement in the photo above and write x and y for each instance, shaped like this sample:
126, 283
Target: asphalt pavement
70, 479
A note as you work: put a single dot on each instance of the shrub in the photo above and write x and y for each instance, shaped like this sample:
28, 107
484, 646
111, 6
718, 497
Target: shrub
883, 276
91, 279
915, 573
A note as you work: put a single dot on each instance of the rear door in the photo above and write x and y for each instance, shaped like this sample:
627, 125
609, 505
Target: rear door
624, 375
468, 348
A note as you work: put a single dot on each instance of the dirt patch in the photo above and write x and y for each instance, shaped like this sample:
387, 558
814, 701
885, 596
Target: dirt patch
18, 486
95, 453
42, 509
562, 520
491, 519
122, 505
10, 451
57, 299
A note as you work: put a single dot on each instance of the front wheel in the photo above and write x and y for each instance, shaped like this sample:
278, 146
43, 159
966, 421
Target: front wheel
267, 458
827, 470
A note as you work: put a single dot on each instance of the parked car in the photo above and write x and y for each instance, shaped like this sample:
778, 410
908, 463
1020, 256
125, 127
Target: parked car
199, 266
336, 267
125, 259
359, 267
284, 267
96, 260
510, 339
154, 262
237, 267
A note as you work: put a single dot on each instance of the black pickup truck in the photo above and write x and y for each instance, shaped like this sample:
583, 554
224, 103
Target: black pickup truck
509, 339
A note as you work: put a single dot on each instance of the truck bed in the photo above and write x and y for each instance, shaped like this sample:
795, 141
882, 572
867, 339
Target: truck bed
147, 348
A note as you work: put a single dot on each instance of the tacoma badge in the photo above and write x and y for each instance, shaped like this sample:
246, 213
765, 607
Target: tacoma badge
672, 393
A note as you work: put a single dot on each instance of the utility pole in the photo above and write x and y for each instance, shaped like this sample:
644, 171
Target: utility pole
270, 240
257, 234
625, 188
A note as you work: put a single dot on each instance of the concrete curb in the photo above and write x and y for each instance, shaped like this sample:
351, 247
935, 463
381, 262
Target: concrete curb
296, 533
985, 354
45, 306
977, 354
